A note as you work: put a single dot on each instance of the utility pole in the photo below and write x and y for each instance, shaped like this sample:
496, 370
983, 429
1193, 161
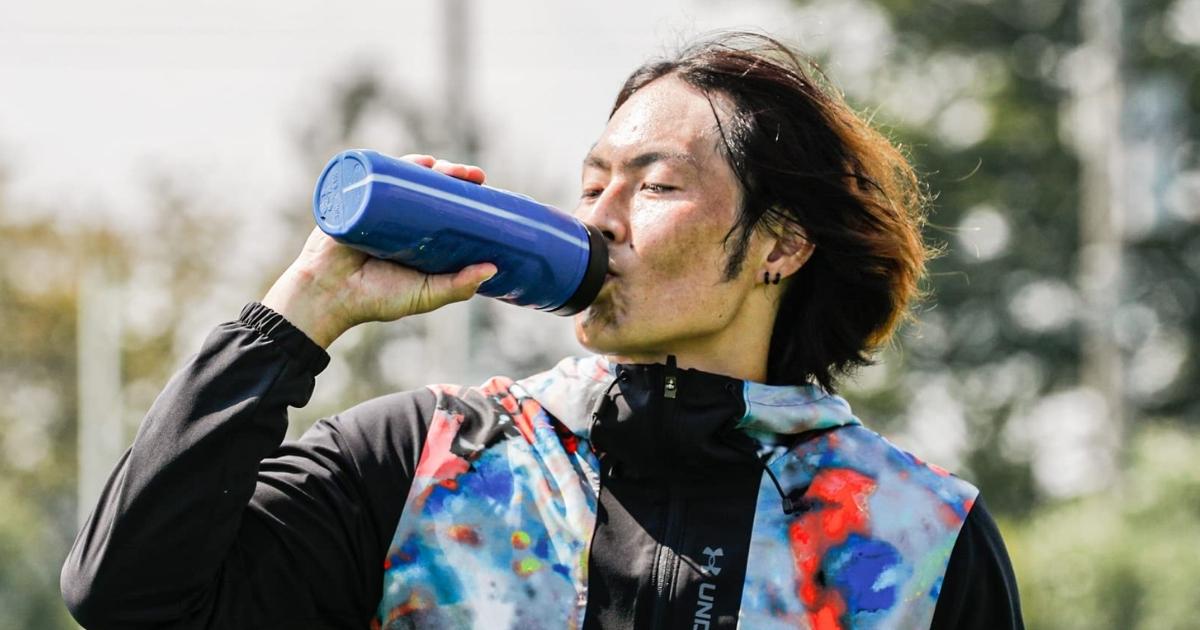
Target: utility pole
458, 79
101, 438
1098, 101
448, 347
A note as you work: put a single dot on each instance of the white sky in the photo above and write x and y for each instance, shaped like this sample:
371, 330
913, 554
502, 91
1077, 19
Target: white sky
92, 94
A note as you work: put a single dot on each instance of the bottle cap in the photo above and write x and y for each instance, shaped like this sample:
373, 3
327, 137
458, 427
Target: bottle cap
341, 191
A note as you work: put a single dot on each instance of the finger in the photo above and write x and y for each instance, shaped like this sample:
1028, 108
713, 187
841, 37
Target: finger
447, 288
316, 239
475, 174
314, 235
392, 291
466, 282
449, 168
420, 158
475, 275
468, 172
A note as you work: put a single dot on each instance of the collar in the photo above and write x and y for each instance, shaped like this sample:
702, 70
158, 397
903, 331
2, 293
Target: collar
572, 391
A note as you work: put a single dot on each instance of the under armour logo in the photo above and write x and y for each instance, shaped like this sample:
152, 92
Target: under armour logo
711, 568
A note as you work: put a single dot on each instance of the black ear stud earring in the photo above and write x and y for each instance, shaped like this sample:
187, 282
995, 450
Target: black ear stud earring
775, 280
767, 279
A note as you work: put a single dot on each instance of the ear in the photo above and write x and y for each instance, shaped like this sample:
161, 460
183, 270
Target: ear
791, 250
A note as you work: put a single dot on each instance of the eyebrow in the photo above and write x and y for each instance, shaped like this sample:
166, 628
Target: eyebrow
642, 160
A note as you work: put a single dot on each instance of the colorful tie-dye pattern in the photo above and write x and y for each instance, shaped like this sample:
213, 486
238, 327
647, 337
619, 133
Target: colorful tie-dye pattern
499, 539
869, 547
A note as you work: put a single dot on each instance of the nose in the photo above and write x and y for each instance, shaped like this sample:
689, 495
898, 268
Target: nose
609, 213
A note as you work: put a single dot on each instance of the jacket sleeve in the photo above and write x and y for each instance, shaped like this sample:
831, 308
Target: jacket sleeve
208, 521
979, 589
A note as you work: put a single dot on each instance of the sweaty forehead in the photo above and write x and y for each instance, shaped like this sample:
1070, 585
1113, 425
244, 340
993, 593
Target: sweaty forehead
665, 115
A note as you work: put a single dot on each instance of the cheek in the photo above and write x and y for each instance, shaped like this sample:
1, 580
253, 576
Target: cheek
681, 280
669, 244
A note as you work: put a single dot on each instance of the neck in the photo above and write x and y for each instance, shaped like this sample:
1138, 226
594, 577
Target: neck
739, 350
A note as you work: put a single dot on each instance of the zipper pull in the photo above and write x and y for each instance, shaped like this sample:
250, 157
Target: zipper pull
671, 382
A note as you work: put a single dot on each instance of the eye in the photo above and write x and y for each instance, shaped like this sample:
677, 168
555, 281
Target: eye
591, 193
658, 188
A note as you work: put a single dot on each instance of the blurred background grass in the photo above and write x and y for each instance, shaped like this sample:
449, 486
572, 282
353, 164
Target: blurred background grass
1055, 364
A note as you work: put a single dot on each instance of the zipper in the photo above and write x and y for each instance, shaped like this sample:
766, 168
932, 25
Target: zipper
670, 388
666, 559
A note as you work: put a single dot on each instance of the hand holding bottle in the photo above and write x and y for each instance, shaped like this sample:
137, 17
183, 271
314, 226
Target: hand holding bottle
331, 287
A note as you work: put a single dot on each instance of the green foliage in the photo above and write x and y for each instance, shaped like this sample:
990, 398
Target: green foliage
37, 446
979, 93
32, 541
40, 267
1123, 557
1126, 559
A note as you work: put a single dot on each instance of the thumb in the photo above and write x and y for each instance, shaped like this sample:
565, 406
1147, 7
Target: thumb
462, 285
473, 276
433, 291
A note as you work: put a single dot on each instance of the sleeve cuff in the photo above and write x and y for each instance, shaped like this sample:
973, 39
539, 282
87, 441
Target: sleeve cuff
291, 339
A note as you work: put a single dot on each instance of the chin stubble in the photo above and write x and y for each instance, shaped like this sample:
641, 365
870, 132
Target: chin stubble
602, 313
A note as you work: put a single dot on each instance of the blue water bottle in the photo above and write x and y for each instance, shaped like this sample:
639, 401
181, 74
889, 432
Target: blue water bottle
394, 209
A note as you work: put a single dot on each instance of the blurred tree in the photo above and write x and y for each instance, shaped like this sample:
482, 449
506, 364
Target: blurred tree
1128, 563
172, 282
989, 379
37, 466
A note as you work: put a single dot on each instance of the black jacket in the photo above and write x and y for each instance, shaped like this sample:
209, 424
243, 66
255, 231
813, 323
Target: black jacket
209, 521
